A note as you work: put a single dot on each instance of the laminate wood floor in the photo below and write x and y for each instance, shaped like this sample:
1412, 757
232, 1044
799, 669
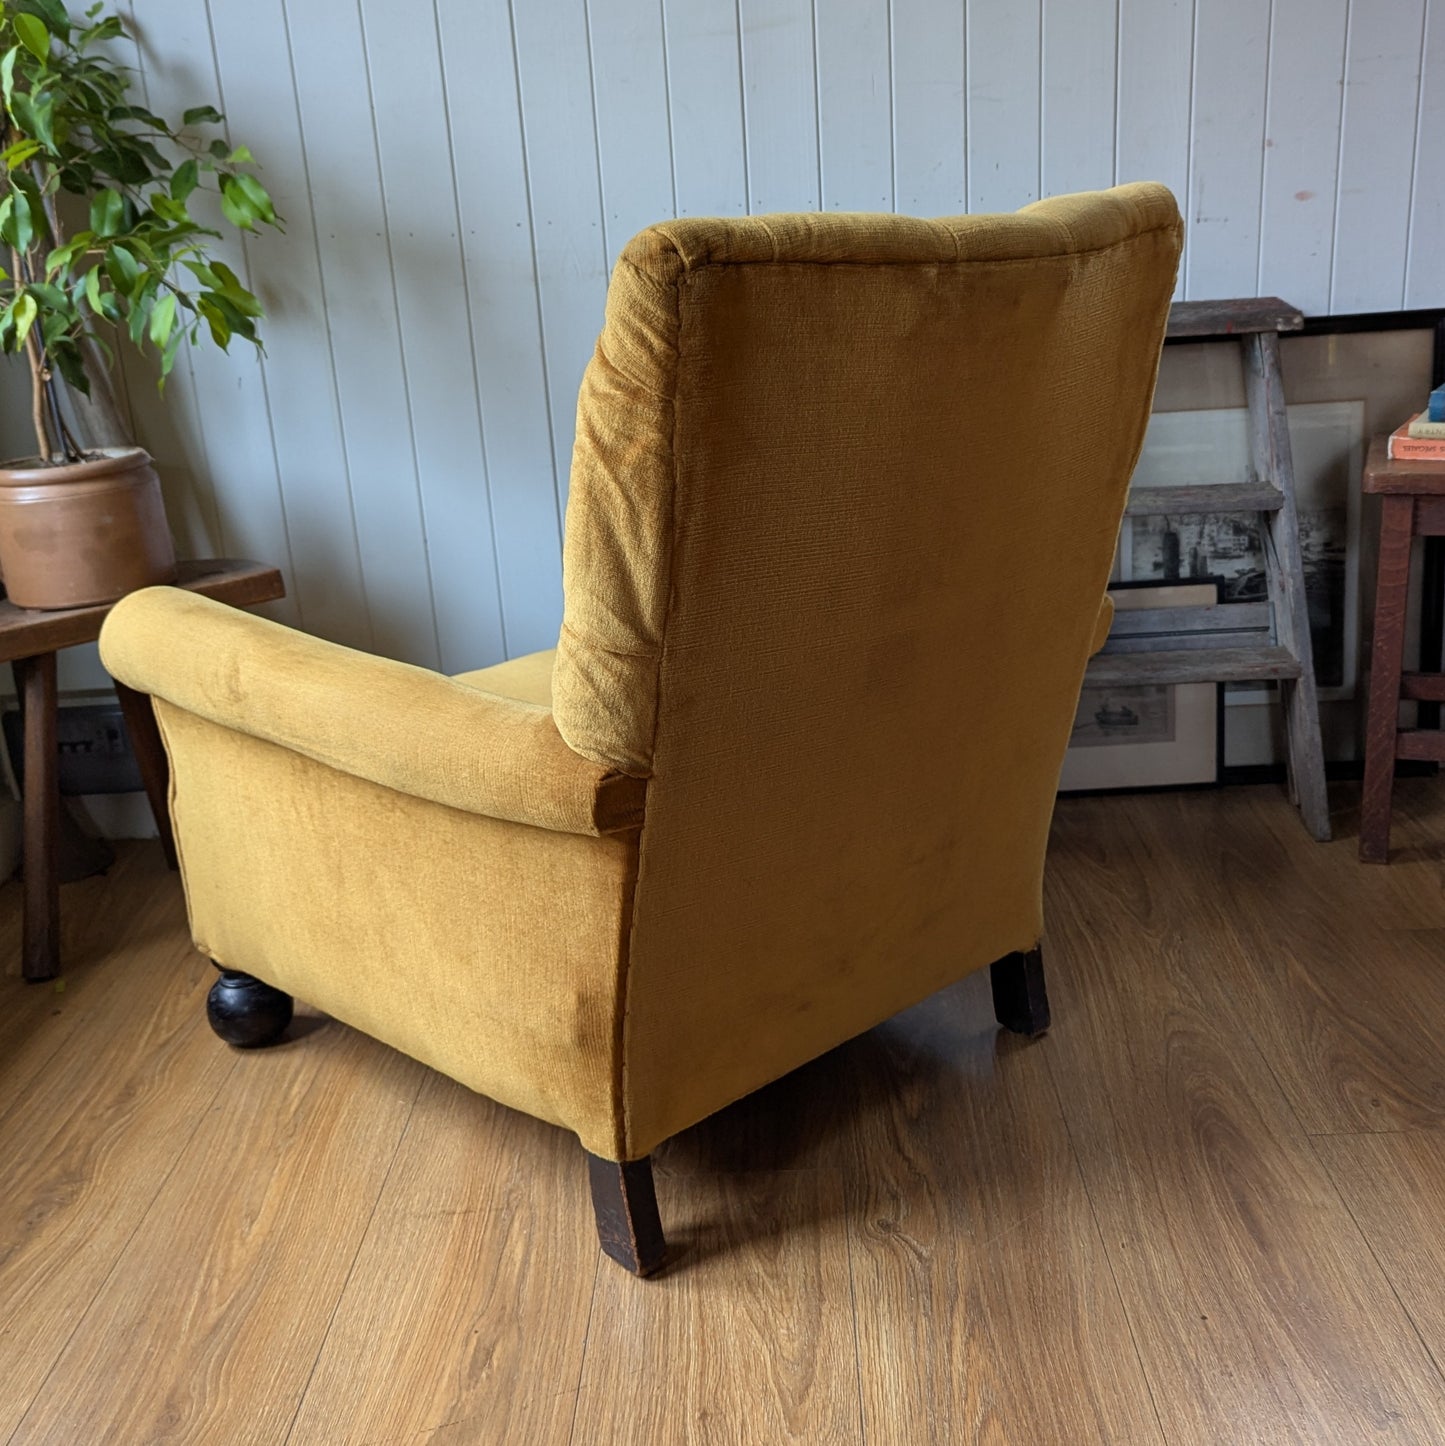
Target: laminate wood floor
1208, 1207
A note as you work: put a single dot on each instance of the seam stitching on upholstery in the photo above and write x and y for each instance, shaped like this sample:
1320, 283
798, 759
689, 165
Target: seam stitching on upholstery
587, 642
625, 990
1064, 254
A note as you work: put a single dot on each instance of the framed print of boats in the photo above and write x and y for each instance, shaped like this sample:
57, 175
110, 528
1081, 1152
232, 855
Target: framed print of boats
1147, 736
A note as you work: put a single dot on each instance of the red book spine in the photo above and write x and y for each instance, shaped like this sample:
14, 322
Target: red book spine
1404, 448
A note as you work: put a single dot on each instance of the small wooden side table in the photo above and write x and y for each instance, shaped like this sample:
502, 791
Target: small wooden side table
29, 641
1412, 498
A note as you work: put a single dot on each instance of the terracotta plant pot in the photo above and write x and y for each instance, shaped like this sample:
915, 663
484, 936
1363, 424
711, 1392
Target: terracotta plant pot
83, 532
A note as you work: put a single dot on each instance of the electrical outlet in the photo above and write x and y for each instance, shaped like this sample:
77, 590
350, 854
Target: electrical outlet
94, 750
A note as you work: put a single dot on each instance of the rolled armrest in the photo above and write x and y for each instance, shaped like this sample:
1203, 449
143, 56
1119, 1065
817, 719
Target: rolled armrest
400, 726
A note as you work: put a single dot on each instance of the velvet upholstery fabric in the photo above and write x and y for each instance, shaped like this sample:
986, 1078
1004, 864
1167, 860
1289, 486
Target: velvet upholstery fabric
829, 594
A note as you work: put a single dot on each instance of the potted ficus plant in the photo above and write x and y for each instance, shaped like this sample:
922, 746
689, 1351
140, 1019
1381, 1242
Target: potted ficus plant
100, 241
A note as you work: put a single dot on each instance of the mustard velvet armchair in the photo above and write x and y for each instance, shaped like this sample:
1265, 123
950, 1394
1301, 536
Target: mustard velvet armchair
843, 507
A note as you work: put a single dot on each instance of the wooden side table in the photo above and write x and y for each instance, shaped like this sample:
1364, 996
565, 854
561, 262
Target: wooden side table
1412, 497
29, 641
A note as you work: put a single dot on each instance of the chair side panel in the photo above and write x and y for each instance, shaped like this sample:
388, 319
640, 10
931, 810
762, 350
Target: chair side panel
489, 950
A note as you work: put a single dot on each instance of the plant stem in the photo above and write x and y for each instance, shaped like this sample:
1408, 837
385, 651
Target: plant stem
37, 367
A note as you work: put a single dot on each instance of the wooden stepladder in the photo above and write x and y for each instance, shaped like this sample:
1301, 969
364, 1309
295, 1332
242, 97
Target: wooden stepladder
1239, 642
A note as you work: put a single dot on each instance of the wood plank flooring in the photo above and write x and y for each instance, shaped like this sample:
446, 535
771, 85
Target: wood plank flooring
1207, 1208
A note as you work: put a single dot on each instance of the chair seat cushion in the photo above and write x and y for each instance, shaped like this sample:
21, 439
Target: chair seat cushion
527, 679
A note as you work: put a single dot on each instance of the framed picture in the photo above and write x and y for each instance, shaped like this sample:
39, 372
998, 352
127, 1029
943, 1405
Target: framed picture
1147, 736
1346, 379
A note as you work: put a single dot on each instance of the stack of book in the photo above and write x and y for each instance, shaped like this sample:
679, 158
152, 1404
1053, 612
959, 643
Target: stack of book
1422, 438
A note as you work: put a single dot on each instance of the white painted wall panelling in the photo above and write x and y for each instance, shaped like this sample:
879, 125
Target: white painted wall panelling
490, 158
855, 101
1377, 153
1080, 93
1003, 49
459, 177
930, 158
780, 104
1302, 150
1231, 68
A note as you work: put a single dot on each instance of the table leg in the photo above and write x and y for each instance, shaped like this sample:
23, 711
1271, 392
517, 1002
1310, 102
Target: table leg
150, 756
40, 949
1432, 622
1397, 526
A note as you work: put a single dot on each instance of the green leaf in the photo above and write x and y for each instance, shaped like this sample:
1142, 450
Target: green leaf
168, 357
34, 116
216, 320
7, 73
139, 315
202, 115
26, 311
19, 153
122, 268
63, 256
122, 161
185, 180
163, 318
109, 29
219, 149
169, 210
92, 289
241, 156
33, 35
107, 213
67, 359
255, 193
228, 280
17, 227
138, 113
204, 274
236, 207
53, 297
23, 110
54, 14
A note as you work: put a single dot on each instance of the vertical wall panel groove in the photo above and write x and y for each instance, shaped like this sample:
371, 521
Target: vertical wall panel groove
1231, 68
1078, 95
782, 107
1382, 78
499, 257
855, 105
1156, 65
634, 144
1425, 242
419, 205
705, 108
1301, 151
565, 187
930, 177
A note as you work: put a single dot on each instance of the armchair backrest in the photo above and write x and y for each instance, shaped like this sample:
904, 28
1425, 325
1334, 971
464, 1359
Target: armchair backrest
844, 501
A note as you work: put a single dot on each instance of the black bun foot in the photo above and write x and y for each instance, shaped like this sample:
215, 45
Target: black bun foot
245, 1012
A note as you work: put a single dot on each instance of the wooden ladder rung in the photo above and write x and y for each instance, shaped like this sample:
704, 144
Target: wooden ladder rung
1204, 497
1191, 319
1425, 745
1235, 617
1423, 687
1264, 664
